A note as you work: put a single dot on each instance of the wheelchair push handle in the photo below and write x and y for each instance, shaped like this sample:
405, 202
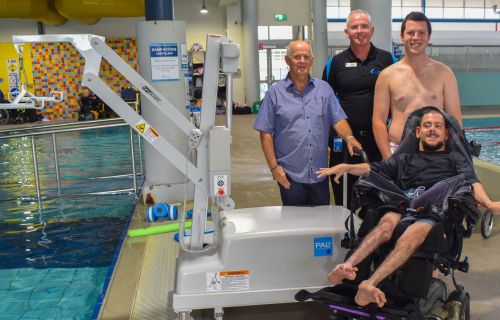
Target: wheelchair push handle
362, 154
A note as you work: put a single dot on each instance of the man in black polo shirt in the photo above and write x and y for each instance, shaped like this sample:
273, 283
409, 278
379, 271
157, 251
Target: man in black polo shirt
352, 75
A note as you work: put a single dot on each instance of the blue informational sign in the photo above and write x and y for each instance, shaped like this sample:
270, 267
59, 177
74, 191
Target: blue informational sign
164, 61
323, 246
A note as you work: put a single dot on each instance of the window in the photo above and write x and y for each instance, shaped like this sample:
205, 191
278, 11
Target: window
436, 13
280, 32
263, 32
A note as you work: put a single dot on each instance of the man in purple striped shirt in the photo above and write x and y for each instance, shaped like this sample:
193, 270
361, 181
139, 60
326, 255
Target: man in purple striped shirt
294, 122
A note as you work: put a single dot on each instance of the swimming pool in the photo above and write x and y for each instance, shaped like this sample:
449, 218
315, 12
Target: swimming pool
487, 132
55, 260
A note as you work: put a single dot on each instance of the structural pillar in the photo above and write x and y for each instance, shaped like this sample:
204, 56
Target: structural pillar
380, 11
250, 50
320, 36
162, 60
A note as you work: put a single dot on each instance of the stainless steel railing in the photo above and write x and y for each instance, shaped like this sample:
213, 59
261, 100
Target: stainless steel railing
55, 129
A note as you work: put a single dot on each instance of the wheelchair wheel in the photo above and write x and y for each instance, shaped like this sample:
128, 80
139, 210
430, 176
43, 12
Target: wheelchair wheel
458, 306
486, 224
4, 116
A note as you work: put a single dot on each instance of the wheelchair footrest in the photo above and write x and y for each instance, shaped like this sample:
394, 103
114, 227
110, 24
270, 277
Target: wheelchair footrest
340, 299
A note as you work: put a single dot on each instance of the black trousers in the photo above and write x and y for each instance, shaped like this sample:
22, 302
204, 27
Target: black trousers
369, 146
305, 194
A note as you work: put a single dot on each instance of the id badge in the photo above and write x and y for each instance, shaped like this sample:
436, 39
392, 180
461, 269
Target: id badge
337, 145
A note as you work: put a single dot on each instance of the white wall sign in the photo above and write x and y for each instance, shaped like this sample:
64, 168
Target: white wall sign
164, 61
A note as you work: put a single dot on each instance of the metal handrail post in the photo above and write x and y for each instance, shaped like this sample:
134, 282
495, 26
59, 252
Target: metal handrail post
132, 152
35, 166
56, 164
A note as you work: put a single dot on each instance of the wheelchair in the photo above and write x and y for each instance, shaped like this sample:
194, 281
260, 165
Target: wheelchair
412, 293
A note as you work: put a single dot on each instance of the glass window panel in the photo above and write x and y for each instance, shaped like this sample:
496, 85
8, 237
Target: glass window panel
332, 3
344, 12
489, 14
490, 3
453, 13
280, 68
263, 65
263, 90
345, 3
280, 32
396, 12
474, 13
412, 3
332, 12
483, 58
453, 3
263, 32
436, 13
433, 3
406, 10
396, 3
474, 3
454, 57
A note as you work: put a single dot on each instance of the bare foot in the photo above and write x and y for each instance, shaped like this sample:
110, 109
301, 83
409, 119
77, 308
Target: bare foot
368, 293
342, 271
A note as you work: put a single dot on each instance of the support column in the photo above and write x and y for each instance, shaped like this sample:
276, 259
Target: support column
250, 51
380, 11
320, 36
159, 10
155, 38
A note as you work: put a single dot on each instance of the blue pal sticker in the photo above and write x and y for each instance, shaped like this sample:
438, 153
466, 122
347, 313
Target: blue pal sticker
323, 246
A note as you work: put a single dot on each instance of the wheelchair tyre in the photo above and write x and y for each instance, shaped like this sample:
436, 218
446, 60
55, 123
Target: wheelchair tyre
464, 300
4, 116
486, 224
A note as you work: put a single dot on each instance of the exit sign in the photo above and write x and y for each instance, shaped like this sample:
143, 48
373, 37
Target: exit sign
280, 17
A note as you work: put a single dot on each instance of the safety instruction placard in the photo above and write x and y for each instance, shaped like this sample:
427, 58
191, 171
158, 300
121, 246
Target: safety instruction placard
235, 280
146, 131
164, 61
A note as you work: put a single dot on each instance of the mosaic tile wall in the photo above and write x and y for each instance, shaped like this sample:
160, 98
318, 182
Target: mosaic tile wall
59, 67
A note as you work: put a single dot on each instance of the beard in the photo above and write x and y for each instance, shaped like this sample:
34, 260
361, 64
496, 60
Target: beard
432, 147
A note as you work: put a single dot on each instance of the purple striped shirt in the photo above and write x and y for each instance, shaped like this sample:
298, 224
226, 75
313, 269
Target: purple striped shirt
300, 125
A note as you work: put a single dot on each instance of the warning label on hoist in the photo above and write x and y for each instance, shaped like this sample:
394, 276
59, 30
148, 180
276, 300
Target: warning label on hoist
235, 280
146, 131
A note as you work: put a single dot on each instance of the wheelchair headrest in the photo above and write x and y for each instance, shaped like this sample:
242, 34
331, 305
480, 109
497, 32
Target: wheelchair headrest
456, 137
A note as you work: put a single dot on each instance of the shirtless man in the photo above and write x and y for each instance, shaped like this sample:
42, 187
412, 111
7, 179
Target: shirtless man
414, 82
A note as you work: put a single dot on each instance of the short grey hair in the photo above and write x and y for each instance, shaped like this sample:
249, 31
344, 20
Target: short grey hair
289, 48
358, 11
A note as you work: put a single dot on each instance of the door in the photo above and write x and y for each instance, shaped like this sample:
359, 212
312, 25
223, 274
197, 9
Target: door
272, 67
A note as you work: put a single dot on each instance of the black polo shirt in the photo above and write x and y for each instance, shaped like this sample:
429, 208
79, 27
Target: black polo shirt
354, 80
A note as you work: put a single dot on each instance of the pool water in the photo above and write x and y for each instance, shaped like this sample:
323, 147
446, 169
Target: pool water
56, 260
487, 132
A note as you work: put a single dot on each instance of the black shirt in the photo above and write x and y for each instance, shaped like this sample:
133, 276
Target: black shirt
354, 80
424, 168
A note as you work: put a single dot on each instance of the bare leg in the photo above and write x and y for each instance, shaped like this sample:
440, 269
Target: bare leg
379, 235
368, 293
411, 239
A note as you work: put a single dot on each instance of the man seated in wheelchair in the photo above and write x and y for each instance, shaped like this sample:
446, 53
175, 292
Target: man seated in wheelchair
411, 193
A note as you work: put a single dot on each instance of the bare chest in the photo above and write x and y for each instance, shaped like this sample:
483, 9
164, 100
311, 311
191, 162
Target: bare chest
410, 92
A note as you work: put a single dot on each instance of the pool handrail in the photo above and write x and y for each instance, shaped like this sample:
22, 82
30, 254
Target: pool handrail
84, 126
